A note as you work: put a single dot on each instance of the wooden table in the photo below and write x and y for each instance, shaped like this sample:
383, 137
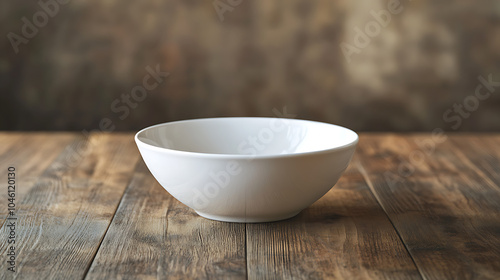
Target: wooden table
409, 206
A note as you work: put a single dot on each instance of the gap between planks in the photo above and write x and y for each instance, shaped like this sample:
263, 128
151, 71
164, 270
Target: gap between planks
377, 198
57, 168
109, 225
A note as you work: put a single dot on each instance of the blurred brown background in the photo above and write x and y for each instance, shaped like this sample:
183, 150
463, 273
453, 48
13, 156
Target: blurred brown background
246, 57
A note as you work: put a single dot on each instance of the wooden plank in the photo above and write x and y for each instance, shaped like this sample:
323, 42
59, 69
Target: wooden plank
64, 216
153, 236
345, 235
447, 214
481, 153
31, 154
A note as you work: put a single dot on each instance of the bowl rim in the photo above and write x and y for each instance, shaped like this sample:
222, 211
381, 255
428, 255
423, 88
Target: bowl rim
239, 156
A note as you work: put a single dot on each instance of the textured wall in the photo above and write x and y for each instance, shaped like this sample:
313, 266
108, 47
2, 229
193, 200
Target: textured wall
248, 59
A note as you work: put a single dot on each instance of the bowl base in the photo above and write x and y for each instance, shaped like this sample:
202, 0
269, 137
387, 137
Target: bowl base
247, 219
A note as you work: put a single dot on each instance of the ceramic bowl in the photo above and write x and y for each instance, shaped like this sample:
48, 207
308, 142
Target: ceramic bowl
247, 169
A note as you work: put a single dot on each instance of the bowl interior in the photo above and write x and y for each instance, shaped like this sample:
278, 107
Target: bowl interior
247, 136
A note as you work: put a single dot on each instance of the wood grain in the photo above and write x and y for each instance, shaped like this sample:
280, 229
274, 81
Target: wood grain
344, 235
447, 213
480, 153
403, 210
64, 216
153, 236
30, 154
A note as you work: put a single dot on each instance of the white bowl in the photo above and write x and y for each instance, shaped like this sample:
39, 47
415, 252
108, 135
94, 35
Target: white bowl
247, 169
